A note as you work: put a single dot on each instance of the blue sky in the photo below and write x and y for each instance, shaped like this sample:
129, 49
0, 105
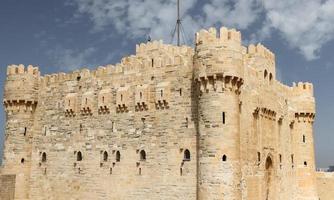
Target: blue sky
64, 35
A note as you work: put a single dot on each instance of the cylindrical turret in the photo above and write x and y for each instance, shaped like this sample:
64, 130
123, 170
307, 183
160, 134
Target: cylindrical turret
219, 76
303, 143
20, 100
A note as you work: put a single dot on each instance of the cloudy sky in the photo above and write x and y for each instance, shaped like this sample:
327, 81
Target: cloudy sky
64, 35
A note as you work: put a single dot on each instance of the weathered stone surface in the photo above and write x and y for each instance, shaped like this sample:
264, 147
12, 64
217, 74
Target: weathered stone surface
167, 123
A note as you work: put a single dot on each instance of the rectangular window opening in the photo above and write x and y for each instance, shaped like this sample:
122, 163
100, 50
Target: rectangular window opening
223, 117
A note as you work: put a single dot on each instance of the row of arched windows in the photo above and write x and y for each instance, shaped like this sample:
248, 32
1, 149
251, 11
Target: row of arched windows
142, 156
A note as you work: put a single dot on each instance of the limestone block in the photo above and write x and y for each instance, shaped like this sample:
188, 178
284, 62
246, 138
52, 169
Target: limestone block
123, 99
142, 97
104, 101
70, 103
87, 103
162, 95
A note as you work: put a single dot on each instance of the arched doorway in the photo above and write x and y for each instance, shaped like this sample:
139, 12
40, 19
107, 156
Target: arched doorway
269, 182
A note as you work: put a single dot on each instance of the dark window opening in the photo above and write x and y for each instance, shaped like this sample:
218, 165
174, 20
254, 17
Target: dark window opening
102, 99
305, 163
121, 97
118, 156
79, 156
224, 158
180, 91
280, 158
181, 171
78, 78
22, 160
152, 62
258, 157
25, 131
139, 171
105, 156
270, 77
161, 93
304, 139
186, 156
142, 155
44, 157
187, 122
265, 74
223, 117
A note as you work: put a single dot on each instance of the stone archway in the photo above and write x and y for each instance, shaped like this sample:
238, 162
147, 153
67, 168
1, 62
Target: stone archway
269, 180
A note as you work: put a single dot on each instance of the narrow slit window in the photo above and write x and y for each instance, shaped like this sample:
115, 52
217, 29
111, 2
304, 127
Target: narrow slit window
44, 157
118, 156
258, 157
161, 93
105, 156
25, 131
180, 91
304, 139
223, 117
79, 156
152, 62
224, 158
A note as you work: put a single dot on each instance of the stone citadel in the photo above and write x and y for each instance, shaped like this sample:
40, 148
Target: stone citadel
209, 123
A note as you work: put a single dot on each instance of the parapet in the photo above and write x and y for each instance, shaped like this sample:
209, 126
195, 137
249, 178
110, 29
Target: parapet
260, 50
159, 46
211, 37
21, 88
303, 89
20, 69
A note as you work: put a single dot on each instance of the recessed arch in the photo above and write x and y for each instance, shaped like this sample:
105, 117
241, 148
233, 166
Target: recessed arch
79, 156
105, 156
265, 74
44, 157
142, 155
186, 155
118, 156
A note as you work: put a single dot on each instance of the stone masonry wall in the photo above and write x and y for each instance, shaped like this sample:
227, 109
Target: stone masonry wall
166, 123
7, 187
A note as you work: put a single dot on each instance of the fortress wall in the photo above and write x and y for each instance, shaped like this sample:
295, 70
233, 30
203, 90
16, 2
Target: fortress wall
325, 185
163, 131
7, 187
265, 132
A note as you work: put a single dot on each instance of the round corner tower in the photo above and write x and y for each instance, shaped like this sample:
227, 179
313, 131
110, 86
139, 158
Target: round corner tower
219, 75
303, 141
20, 101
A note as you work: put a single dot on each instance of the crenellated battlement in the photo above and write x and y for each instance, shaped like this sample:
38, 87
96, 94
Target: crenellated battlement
303, 88
210, 36
260, 50
21, 69
160, 47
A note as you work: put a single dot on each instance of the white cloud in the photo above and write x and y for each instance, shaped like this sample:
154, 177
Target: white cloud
305, 24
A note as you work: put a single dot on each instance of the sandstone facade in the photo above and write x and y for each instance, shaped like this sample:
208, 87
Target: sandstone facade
166, 123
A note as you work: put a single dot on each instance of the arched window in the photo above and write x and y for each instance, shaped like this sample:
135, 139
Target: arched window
142, 155
270, 77
305, 163
265, 74
22, 160
79, 156
118, 156
105, 156
44, 157
186, 156
224, 158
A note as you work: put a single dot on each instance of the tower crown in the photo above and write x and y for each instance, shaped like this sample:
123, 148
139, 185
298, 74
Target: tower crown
21, 88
